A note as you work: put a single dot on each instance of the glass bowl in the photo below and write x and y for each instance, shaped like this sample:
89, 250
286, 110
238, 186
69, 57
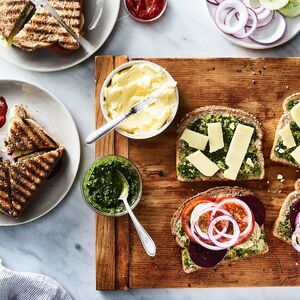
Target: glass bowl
139, 182
149, 20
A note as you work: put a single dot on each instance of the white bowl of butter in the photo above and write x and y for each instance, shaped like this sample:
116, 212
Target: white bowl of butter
129, 84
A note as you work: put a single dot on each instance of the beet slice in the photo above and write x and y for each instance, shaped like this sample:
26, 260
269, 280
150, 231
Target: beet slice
295, 209
204, 257
257, 208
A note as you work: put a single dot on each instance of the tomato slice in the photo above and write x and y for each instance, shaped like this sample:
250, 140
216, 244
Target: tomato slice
239, 214
187, 211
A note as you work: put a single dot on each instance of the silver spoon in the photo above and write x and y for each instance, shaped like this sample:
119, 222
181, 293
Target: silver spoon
145, 238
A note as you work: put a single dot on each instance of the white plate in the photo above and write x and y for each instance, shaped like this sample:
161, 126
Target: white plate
293, 28
50, 113
45, 60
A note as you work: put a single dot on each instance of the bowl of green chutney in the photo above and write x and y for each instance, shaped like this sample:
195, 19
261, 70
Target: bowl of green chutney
101, 187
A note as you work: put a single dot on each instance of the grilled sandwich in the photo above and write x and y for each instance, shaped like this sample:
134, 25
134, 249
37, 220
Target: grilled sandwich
25, 135
27, 175
13, 15
44, 31
5, 200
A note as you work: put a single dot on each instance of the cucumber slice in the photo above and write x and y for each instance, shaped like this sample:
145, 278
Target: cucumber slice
292, 9
274, 4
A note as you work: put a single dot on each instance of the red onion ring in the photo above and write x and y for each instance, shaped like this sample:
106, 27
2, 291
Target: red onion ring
235, 235
213, 234
253, 27
259, 21
226, 5
296, 237
246, 209
280, 24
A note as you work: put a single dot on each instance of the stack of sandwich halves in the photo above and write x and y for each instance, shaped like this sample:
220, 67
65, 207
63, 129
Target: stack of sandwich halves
35, 155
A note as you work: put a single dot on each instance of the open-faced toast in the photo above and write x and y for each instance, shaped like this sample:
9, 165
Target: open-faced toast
283, 229
255, 245
217, 136
286, 148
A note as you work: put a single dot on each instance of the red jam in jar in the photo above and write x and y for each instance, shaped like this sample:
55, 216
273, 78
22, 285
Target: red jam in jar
3, 111
145, 10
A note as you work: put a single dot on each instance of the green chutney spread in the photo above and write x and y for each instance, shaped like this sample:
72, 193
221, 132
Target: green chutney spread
102, 187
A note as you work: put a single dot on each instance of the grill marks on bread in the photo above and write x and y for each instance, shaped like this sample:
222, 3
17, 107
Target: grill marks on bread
5, 200
10, 12
43, 30
26, 134
26, 177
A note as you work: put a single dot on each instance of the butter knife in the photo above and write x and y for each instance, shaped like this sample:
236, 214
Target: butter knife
105, 129
84, 43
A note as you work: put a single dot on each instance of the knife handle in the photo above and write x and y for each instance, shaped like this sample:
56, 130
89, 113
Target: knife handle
105, 129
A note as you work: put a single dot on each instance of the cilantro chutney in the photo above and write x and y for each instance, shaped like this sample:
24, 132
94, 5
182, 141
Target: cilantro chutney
101, 187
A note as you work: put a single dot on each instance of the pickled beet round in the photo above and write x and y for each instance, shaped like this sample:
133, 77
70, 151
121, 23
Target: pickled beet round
257, 208
204, 257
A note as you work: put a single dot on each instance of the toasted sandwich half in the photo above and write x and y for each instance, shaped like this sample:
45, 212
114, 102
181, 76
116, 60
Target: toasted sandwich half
5, 200
13, 15
27, 175
44, 31
25, 135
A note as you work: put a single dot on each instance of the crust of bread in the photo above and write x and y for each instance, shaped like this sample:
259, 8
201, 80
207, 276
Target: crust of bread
213, 110
283, 121
286, 205
217, 192
51, 33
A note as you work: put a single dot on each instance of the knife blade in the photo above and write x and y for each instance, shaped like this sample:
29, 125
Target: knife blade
85, 44
105, 129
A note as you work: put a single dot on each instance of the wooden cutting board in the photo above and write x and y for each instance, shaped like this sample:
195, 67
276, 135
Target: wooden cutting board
255, 85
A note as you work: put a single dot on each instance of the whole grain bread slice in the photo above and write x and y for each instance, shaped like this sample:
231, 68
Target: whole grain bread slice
285, 119
224, 111
284, 213
217, 192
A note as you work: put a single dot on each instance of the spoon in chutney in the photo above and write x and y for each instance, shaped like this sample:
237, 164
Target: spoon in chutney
145, 238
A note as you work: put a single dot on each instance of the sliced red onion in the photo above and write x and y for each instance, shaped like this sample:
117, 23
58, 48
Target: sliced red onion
247, 32
296, 237
222, 11
271, 33
213, 2
264, 14
200, 210
235, 235
246, 209
266, 21
205, 245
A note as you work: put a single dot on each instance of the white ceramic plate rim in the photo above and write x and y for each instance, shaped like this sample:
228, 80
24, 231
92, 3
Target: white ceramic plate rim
252, 44
126, 66
53, 97
76, 62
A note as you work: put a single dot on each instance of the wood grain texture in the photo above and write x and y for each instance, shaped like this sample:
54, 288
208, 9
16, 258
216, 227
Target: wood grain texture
122, 224
255, 85
105, 227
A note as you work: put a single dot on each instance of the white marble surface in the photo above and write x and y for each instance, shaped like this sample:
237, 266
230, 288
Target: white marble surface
61, 245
